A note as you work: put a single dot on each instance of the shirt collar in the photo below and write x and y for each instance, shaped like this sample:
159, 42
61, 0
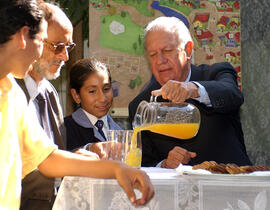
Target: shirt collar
93, 119
188, 77
33, 88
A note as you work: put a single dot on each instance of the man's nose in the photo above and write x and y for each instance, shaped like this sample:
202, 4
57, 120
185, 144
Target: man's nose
161, 58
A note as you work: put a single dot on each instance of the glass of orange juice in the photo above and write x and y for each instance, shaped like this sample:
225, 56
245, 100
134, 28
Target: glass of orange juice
125, 145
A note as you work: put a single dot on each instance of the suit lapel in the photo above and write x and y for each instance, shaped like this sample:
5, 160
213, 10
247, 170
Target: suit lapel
55, 119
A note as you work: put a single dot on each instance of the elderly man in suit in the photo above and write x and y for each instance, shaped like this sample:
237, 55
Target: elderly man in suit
213, 89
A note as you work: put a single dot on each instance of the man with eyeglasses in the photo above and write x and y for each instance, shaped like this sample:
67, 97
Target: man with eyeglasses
38, 191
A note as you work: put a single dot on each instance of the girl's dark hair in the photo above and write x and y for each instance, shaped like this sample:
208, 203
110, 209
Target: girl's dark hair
82, 69
14, 14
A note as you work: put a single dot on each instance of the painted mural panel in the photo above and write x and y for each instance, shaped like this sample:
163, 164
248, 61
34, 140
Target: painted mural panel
116, 38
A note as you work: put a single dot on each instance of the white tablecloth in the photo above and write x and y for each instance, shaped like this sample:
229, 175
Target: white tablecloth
172, 192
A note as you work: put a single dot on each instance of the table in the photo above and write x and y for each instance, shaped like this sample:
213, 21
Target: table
172, 192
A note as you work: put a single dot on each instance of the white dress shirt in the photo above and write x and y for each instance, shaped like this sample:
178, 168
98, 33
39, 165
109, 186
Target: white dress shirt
34, 89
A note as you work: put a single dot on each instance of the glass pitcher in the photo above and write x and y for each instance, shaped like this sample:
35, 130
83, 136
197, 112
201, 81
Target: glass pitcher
179, 120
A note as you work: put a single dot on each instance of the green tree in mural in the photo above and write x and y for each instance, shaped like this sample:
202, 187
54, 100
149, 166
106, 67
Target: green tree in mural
140, 40
135, 46
123, 14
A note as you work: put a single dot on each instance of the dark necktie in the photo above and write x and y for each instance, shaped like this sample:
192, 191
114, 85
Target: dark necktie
99, 125
43, 111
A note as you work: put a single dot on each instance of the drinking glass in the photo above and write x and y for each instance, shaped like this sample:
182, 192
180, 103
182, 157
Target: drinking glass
125, 145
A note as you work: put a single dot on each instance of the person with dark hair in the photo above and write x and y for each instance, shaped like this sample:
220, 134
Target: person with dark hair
24, 146
38, 191
21, 14
213, 89
91, 89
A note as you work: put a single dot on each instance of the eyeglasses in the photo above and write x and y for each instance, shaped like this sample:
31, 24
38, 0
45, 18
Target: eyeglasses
58, 48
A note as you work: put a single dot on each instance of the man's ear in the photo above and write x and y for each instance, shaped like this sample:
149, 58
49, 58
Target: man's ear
23, 36
76, 97
189, 48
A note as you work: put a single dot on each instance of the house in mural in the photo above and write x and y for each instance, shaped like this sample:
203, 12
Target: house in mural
200, 21
191, 3
224, 6
230, 57
204, 37
236, 5
233, 25
230, 39
238, 57
222, 23
209, 57
237, 37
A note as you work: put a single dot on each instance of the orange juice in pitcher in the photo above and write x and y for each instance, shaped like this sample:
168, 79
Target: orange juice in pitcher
172, 119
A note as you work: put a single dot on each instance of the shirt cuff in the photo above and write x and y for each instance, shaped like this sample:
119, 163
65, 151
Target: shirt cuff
87, 146
203, 95
159, 164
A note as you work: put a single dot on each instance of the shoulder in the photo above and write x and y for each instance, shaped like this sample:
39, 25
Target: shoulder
112, 123
215, 67
79, 117
213, 71
68, 119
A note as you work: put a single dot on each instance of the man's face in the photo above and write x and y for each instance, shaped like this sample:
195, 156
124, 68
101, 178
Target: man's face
32, 51
50, 63
167, 61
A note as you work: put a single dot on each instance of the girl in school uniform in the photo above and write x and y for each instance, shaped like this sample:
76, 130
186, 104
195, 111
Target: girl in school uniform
90, 83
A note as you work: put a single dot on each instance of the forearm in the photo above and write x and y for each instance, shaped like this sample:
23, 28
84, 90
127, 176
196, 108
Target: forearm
61, 163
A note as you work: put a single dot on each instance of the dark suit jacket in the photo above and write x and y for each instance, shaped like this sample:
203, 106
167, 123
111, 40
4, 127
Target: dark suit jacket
220, 136
80, 130
36, 188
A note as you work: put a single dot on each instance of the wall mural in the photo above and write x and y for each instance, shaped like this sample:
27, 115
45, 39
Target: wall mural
116, 38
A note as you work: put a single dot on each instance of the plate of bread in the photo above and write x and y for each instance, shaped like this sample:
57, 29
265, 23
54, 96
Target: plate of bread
212, 169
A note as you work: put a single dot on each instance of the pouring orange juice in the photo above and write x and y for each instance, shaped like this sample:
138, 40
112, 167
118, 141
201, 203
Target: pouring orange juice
181, 121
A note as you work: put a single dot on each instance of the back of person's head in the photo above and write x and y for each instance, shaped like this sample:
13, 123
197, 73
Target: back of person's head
15, 14
82, 69
171, 25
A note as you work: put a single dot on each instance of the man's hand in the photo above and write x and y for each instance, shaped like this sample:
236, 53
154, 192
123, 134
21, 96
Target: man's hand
176, 156
130, 179
177, 92
107, 150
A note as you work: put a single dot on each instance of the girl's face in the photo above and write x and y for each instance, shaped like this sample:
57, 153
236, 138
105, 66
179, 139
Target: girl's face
96, 95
